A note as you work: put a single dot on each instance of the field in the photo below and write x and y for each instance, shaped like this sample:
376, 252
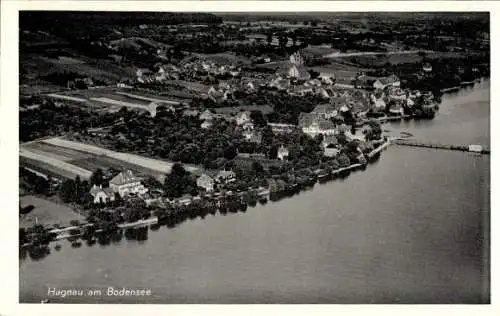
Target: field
111, 99
64, 161
120, 103
35, 66
145, 99
61, 153
46, 212
53, 164
66, 97
224, 58
149, 163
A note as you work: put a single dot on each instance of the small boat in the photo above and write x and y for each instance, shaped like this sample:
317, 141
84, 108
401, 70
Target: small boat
44, 301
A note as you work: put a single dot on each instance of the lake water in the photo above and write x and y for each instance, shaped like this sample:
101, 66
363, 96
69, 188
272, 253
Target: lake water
412, 228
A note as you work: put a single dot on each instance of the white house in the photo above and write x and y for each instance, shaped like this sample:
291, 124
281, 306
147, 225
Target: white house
243, 117
206, 124
206, 182
282, 152
331, 152
225, 176
207, 115
382, 83
427, 67
101, 195
125, 183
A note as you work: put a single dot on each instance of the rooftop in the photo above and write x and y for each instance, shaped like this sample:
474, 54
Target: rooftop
124, 177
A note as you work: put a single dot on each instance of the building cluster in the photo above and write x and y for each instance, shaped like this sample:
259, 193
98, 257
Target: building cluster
125, 184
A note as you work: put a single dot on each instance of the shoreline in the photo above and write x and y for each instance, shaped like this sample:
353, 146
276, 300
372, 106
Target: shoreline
180, 208
462, 85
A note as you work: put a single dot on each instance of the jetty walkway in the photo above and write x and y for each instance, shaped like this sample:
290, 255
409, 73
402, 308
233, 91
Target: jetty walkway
469, 148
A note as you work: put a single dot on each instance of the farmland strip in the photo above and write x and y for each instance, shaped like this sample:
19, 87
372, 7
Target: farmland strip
120, 103
139, 97
153, 164
66, 97
85, 174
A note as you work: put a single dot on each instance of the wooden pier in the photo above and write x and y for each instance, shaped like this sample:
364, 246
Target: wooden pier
468, 148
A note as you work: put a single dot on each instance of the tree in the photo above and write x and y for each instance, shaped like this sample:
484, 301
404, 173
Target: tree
178, 182
258, 118
273, 152
314, 74
269, 39
257, 167
67, 190
97, 177
343, 160
230, 152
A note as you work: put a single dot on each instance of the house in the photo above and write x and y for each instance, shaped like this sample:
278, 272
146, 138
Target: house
301, 90
325, 111
206, 182
225, 176
243, 117
280, 84
282, 128
313, 83
364, 82
144, 75
206, 124
330, 141
396, 107
427, 67
207, 115
282, 152
312, 125
253, 136
247, 126
101, 195
125, 183
331, 151
298, 73
190, 112
186, 199
323, 93
382, 83
296, 58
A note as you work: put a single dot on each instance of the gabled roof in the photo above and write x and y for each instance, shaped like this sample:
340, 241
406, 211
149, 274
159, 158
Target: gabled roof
366, 79
388, 80
324, 108
95, 190
240, 114
225, 174
124, 177
302, 88
305, 119
330, 140
205, 177
326, 124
